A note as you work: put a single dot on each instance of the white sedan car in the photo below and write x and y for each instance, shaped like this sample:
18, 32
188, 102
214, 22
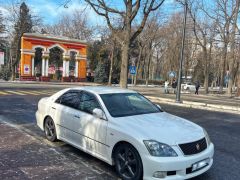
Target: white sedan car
189, 87
123, 128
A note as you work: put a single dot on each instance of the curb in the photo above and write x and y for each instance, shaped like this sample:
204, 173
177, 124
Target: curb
190, 104
52, 83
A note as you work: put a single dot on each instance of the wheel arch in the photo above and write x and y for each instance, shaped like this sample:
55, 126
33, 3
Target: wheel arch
44, 120
126, 142
118, 144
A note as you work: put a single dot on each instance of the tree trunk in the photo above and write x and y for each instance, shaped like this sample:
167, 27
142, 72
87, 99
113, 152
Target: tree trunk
13, 76
124, 65
206, 71
148, 66
231, 78
223, 69
238, 83
143, 66
125, 46
111, 68
232, 58
138, 63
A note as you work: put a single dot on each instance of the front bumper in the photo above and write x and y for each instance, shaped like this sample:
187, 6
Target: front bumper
39, 119
178, 164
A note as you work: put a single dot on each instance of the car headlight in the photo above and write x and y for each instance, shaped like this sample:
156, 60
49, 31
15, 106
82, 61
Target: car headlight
159, 149
207, 137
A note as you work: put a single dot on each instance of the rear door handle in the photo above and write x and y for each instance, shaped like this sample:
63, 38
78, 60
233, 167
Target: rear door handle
76, 116
53, 108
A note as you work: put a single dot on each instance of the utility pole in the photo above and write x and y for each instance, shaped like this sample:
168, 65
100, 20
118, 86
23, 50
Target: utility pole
178, 99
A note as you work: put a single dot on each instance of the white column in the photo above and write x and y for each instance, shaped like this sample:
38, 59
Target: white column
76, 69
67, 69
64, 68
43, 67
46, 68
33, 70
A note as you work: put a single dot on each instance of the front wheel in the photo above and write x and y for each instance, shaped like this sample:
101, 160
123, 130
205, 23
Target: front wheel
50, 130
128, 163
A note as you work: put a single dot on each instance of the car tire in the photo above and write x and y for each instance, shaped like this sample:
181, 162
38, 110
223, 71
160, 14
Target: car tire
50, 130
128, 163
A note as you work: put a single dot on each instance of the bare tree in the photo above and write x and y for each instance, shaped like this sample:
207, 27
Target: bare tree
146, 43
224, 14
73, 26
204, 32
111, 56
232, 58
2, 26
123, 32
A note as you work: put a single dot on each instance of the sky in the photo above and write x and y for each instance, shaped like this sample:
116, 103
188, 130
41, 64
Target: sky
50, 10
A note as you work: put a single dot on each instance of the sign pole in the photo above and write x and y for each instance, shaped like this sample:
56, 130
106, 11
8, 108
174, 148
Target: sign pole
178, 100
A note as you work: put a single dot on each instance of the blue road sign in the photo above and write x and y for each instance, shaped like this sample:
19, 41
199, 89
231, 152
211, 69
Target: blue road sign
132, 70
172, 74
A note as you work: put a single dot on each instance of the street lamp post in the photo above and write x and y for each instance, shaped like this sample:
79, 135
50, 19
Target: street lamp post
178, 99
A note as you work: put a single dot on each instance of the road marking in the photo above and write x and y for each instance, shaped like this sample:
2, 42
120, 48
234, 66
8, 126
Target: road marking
18, 93
38, 92
28, 92
49, 92
3, 93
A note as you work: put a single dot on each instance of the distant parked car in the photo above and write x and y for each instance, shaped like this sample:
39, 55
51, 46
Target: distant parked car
188, 86
123, 128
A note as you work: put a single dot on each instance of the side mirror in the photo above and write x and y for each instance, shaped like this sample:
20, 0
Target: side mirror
99, 113
158, 106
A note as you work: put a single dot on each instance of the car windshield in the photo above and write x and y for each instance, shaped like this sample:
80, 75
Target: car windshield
128, 104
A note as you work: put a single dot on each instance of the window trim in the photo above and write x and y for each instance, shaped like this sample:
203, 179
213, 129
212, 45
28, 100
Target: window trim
160, 110
101, 107
80, 92
69, 91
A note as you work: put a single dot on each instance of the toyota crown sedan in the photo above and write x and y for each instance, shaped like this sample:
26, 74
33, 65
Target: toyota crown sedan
124, 129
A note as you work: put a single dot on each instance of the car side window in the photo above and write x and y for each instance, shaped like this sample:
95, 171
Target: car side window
88, 103
70, 99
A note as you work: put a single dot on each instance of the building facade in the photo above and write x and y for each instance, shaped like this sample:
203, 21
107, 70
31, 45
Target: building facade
39, 62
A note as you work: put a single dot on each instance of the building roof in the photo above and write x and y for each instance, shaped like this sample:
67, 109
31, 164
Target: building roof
53, 37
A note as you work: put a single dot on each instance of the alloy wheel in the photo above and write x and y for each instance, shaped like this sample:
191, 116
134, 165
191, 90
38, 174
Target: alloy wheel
49, 129
128, 162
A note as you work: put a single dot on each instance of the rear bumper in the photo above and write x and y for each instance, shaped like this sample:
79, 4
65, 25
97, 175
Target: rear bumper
179, 165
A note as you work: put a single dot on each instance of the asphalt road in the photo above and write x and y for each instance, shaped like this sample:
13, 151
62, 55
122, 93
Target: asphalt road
61, 161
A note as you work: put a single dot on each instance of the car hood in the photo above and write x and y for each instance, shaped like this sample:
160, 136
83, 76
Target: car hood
162, 127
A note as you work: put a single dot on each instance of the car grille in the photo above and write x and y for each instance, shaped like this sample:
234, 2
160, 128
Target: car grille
194, 147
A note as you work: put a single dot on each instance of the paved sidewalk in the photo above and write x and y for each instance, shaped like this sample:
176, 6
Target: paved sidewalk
25, 157
215, 102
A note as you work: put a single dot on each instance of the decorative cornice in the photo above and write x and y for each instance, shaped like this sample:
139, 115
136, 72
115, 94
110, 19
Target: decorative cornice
45, 55
27, 51
81, 57
66, 57
49, 37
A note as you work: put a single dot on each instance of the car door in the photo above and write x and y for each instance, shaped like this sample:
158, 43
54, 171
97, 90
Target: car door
93, 128
68, 114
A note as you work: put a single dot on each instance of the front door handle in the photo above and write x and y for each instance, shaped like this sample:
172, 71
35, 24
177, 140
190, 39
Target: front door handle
54, 108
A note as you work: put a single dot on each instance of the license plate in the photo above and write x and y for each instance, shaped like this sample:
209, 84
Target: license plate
201, 164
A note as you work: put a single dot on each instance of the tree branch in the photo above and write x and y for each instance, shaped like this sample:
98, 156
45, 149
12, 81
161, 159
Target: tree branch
146, 12
136, 6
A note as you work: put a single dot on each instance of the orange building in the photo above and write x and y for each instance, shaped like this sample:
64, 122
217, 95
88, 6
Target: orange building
70, 65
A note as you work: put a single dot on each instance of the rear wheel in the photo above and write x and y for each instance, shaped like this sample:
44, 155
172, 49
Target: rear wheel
50, 130
128, 163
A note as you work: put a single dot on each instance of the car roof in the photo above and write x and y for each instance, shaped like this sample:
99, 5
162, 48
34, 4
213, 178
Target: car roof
103, 89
